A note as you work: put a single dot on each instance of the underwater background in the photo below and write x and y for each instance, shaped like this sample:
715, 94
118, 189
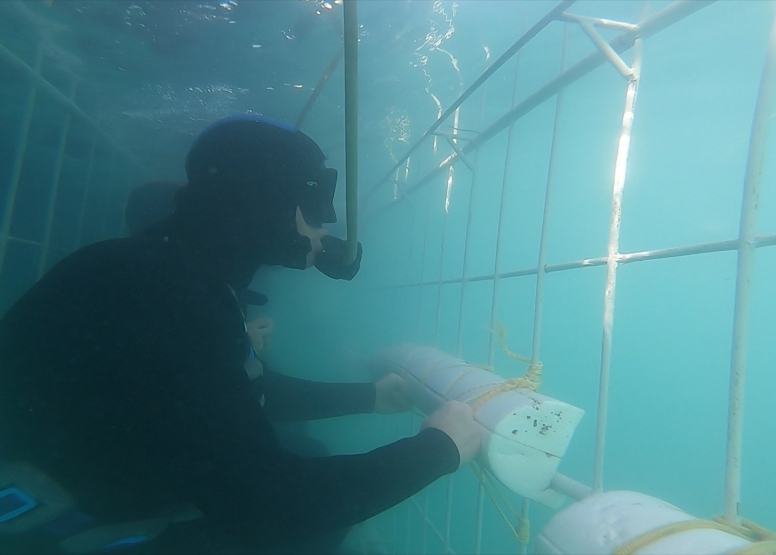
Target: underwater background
149, 75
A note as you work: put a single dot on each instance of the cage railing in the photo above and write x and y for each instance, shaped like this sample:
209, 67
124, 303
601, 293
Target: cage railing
41, 89
657, 22
744, 245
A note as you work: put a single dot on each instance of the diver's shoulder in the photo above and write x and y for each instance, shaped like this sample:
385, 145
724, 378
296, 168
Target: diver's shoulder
117, 249
109, 246
111, 256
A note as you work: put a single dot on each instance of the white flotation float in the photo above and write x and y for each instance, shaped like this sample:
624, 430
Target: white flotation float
631, 523
524, 434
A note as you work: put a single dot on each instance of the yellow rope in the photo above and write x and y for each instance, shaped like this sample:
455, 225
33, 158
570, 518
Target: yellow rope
493, 484
765, 540
747, 529
501, 333
767, 547
522, 531
530, 380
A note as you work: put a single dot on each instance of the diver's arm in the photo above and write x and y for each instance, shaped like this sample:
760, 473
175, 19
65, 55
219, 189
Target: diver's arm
260, 492
226, 460
293, 399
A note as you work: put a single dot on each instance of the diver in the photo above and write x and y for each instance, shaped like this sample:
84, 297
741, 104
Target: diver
151, 203
134, 413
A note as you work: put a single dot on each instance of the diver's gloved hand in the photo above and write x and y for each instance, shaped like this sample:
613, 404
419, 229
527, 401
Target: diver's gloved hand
329, 260
392, 395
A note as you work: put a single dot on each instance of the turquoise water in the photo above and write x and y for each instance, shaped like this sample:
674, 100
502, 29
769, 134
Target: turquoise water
152, 74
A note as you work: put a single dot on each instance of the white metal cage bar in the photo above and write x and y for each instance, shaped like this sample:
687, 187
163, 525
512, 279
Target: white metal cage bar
745, 245
21, 149
33, 76
674, 12
40, 90
613, 248
53, 193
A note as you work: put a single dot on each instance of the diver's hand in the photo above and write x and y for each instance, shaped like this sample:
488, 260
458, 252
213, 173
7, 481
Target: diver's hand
392, 395
329, 260
258, 331
457, 421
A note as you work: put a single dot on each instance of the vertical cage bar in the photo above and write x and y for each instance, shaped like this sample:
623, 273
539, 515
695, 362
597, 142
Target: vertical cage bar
448, 512
467, 236
746, 246
541, 261
121, 227
612, 260
524, 516
421, 286
459, 332
500, 228
448, 186
404, 314
478, 519
108, 196
54, 192
52, 93
16, 169
408, 503
551, 165
424, 534
551, 16
85, 197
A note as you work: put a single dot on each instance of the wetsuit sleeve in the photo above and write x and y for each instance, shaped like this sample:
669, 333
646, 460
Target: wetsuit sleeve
247, 485
258, 491
131, 379
293, 399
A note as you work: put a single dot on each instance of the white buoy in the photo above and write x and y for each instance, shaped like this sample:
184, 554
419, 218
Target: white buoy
605, 523
524, 434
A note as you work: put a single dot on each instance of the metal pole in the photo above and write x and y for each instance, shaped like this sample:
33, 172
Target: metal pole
746, 246
540, 264
442, 261
642, 256
499, 232
422, 270
16, 169
351, 128
404, 314
84, 199
430, 525
108, 195
319, 87
598, 21
504, 58
34, 76
620, 168
526, 506
572, 488
539, 298
54, 193
448, 512
478, 519
606, 50
656, 23
413, 427
467, 236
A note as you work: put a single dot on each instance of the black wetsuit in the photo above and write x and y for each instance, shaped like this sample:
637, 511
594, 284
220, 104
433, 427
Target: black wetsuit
122, 376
